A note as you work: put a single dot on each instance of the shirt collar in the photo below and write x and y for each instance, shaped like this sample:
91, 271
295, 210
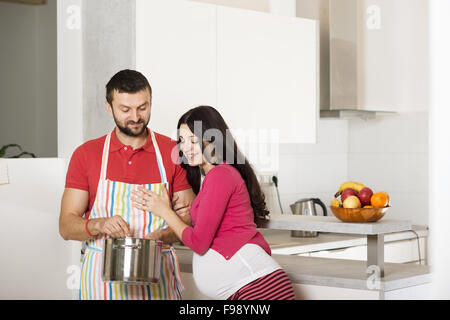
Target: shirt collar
117, 145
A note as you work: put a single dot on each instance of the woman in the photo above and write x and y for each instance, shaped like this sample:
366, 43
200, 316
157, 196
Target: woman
231, 258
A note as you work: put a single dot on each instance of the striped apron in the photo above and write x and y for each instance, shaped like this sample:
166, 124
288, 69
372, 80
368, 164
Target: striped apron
114, 198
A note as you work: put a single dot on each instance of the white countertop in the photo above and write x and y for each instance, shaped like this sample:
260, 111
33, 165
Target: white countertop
332, 224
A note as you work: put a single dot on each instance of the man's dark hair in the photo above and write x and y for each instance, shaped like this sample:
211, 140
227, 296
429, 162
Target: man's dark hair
126, 81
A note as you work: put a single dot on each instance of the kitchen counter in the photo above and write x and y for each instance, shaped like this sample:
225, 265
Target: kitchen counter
332, 224
310, 275
349, 276
281, 241
374, 231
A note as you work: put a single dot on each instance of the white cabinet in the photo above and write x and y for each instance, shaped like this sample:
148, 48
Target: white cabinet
405, 251
379, 55
176, 51
259, 70
268, 72
393, 55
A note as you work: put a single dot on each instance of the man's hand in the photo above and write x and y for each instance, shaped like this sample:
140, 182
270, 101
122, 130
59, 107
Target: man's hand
181, 203
180, 207
114, 227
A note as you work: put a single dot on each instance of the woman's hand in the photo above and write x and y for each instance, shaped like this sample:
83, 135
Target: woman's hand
147, 200
160, 206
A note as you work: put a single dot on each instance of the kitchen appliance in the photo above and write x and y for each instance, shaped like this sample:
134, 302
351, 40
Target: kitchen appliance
306, 207
362, 44
131, 260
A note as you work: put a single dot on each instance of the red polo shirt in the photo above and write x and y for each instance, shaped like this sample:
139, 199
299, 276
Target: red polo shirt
125, 165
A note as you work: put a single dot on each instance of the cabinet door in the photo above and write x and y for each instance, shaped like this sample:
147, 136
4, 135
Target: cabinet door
176, 50
393, 55
404, 251
267, 68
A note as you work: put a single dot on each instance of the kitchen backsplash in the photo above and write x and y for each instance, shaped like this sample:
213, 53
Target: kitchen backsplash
312, 170
391, 154
387, 154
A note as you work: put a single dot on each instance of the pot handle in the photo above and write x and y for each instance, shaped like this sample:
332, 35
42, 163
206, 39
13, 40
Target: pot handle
127, 246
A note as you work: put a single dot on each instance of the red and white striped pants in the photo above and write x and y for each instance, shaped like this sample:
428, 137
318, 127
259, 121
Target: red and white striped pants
274, 286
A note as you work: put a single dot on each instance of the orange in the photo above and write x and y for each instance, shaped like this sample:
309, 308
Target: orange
380, 200
367, 207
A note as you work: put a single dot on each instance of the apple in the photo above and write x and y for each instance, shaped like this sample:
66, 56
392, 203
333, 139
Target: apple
352, 202
364, 196
347, 193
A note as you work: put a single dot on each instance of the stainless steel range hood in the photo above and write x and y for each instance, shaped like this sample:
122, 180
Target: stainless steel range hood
346, 24
347, 114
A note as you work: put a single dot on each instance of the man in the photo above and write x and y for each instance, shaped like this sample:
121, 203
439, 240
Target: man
101, 175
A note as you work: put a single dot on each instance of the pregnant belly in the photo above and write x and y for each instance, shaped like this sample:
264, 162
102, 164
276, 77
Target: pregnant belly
219, 278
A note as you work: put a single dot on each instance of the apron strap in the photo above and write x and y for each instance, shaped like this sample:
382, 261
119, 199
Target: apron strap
159, 159
105, 157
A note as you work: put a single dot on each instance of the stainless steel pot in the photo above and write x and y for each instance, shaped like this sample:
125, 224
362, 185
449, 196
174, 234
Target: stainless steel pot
131, 260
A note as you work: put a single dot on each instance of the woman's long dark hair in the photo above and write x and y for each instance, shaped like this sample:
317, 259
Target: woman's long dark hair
208, 126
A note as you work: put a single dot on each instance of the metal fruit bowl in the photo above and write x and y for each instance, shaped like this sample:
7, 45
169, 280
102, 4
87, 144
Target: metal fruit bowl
359, 214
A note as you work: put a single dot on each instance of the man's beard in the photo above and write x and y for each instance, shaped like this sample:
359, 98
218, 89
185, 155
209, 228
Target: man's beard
129, 132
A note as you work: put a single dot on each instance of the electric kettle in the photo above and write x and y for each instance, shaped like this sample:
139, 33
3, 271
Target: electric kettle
307, 207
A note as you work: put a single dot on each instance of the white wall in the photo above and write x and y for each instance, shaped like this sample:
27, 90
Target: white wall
28, 77
312, 170
387, 154
391, 154
439, 151
35, 258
